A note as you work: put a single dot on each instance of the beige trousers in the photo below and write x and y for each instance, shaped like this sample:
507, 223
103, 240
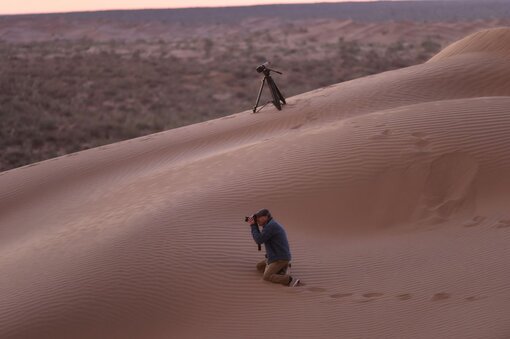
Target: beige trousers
270, 271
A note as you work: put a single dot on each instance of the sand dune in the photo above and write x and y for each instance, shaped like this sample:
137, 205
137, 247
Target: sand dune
494, 41
393, 189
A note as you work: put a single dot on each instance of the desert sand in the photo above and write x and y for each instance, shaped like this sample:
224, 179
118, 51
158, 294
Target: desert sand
393, 190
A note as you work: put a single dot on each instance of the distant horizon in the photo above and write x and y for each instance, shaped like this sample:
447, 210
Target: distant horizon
56, 6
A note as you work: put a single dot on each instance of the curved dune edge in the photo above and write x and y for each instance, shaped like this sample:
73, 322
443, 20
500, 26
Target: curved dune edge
493, 41
393, 190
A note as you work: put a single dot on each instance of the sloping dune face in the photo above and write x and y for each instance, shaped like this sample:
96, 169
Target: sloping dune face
393, 190
494, 41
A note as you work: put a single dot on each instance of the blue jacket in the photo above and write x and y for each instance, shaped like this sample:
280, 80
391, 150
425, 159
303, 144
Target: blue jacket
275, 241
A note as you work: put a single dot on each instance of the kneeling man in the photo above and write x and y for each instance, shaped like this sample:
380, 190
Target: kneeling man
275, 241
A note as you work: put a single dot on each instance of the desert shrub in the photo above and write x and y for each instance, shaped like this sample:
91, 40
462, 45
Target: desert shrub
430, 46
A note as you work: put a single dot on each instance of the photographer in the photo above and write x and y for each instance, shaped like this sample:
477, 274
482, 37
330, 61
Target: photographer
275, 241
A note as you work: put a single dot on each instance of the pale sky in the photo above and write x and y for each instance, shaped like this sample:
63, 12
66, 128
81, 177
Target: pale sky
48, 6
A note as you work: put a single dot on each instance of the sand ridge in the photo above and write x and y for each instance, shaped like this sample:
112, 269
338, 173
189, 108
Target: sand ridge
491, 41
392, 189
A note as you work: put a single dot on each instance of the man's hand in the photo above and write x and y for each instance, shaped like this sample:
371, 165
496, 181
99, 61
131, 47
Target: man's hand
251, 221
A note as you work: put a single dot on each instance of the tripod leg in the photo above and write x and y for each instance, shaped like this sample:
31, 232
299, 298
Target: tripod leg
274, 93
258, 96
279, 94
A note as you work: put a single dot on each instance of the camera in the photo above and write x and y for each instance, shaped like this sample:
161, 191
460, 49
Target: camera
248, 218
262, 67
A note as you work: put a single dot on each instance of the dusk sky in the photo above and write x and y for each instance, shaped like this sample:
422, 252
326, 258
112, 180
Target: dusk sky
46, 6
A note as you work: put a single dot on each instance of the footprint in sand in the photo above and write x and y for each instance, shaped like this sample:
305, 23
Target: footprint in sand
421, 143
370, 297
475, 298
440, 296
340, 295
474, 222
297, 126
503, 224
384, 134
405, 296
420, 140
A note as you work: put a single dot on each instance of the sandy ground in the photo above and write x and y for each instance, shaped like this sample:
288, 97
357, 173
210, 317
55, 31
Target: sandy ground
393, 189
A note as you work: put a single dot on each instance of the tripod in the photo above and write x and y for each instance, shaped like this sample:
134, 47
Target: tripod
278, 98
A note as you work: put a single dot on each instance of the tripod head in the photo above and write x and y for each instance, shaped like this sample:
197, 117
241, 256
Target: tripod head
265, 69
